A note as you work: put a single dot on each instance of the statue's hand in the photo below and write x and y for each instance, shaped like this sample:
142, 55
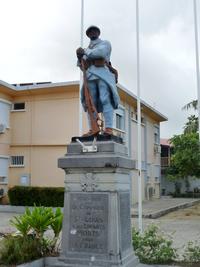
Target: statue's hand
80, 52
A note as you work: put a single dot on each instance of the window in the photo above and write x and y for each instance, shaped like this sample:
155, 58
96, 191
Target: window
1, 191
4, 112
119, 121
148, 179
156, 135
18, 106
149, 169
135, 117
157, 173
119, 118
17, 161
25, 180
3, 179
4, 161
132, 115
142, 118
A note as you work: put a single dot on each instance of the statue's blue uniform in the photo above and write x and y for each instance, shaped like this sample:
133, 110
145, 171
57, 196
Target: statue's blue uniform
101, 81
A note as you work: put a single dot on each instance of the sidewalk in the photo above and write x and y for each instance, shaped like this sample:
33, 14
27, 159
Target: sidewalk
158, 207
151, 209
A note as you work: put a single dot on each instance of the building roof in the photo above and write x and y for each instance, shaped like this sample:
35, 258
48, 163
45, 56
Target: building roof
144, 106
165, 142
17, 88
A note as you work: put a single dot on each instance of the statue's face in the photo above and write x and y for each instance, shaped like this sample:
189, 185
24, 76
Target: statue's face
93, 34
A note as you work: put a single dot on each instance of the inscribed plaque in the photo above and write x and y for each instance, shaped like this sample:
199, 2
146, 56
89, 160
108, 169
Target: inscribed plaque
88, 229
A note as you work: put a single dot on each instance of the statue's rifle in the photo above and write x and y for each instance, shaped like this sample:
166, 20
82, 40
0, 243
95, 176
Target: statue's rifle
95, 120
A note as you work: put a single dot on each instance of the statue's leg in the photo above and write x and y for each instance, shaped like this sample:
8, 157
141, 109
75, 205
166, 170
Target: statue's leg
93, 88
105, 98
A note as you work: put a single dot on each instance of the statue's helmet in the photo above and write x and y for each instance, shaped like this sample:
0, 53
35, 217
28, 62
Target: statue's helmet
92, 27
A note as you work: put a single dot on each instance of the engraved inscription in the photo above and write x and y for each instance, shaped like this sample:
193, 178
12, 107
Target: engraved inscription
125, 220
88, 222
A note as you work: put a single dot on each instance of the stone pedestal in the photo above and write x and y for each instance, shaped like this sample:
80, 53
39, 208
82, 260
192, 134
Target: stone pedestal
97, 221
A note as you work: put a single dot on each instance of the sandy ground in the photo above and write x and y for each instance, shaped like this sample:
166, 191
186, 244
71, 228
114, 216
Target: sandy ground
188, 213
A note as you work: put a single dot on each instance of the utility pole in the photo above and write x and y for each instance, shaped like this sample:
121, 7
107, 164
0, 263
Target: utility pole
197, 60
81, 76
139, 158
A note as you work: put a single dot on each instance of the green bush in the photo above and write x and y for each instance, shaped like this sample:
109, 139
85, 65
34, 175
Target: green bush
31, 243
39, 196
186, 195
19, 249
152, 247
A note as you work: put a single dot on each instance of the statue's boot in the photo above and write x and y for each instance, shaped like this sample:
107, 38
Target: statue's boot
90, 133
108, 131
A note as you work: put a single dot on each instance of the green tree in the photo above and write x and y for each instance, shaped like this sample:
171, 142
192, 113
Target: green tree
191, 125
185, 160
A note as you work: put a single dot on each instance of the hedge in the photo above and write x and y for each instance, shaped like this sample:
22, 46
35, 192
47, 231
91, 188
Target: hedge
186, 195
39, 196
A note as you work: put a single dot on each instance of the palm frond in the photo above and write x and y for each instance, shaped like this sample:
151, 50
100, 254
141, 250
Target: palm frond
191, 105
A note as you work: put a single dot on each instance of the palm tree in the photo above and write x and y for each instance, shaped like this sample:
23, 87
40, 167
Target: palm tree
193, 104
191, 125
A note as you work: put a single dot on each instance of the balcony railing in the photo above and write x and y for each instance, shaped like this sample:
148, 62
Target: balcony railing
165, 162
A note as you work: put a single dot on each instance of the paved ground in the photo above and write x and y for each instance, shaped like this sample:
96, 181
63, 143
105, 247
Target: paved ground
183, 225
158, 207
181, 230
5, 226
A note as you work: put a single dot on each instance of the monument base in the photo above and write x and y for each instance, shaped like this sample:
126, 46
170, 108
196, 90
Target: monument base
97, 222
130, 261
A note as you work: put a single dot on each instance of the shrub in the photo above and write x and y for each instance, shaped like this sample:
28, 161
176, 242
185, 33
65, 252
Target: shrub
31, 243
19, 249
186, 195
39, 219
152, 247
192, 252
21, 224
39, 196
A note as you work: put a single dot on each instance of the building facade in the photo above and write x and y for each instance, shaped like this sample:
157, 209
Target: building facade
38, 120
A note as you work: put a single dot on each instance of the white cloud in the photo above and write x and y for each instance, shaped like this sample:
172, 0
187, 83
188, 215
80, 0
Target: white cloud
39, 38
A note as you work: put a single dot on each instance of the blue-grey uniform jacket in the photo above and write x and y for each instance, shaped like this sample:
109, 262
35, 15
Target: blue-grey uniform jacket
101, 49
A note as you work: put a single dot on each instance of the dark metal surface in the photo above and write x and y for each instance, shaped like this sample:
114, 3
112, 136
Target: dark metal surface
100, 137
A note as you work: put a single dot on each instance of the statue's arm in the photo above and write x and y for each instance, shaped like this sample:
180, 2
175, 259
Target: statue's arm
100, 51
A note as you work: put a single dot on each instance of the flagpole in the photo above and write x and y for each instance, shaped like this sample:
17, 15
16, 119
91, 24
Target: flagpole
139, 121
81, 76
197, 59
